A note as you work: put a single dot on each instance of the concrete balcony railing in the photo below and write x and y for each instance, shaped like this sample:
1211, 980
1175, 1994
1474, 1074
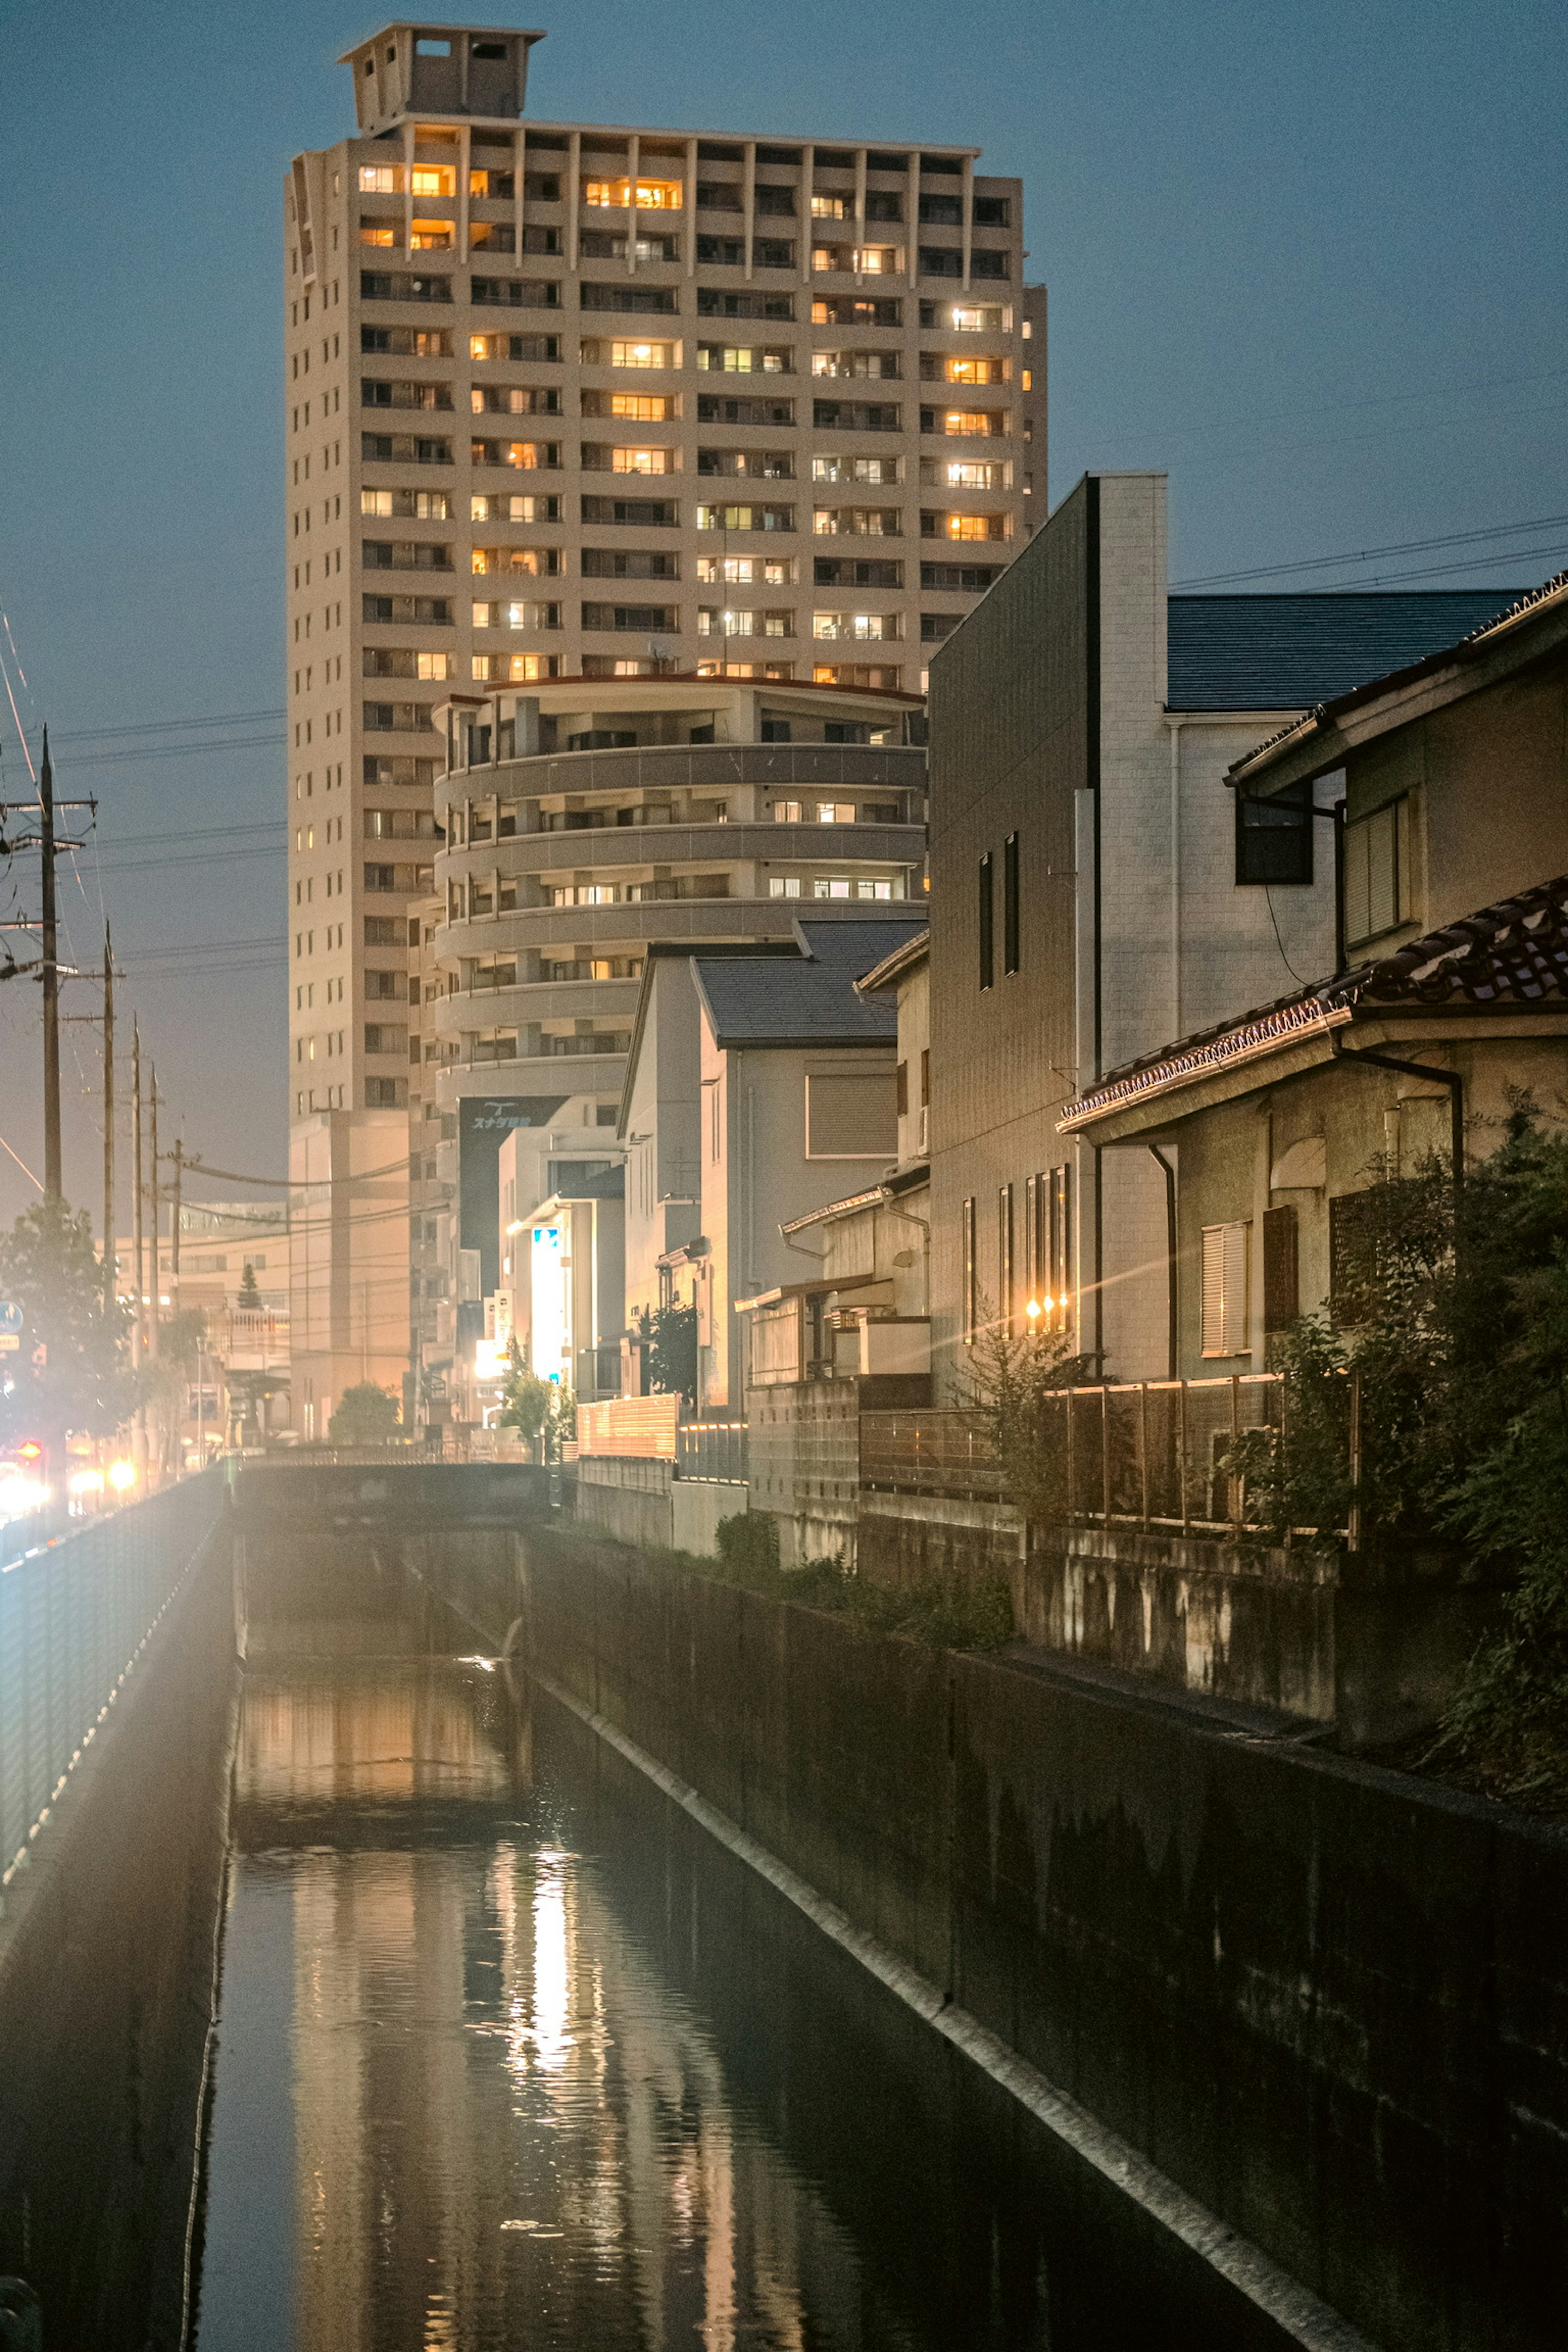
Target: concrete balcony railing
696, 767
615, 929
534, 999
598, 848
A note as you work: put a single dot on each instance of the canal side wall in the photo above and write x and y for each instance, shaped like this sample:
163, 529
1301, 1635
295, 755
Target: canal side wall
108, 1948
1329, 2001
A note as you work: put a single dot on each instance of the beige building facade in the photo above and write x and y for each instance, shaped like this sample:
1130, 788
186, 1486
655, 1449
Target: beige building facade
569, 401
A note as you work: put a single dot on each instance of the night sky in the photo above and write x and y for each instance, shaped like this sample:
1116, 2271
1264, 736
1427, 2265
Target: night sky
1312, 261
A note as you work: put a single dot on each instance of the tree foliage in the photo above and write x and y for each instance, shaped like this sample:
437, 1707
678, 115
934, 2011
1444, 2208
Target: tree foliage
1458, 1347
84, 1385
366, 1415
669, 1336
1014, 1381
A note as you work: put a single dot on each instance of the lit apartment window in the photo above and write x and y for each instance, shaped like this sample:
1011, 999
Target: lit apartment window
971, 319
642, 461
961, 526
964, 370
381, 180
511, 506
842, 885
784, 885
968, 420
432, 180
375, 232
970, 473
641, 355
835, 469
835, 812
1226, 1252
741, 359
863, 627
787, 812
877, 260
745, 571
583, 894
430, 235
433, 665
832, 208
643, 407
649, 196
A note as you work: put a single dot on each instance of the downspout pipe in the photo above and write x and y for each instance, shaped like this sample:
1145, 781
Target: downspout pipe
1171, 1349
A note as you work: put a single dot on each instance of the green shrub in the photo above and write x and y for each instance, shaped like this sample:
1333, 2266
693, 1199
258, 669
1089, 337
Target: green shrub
949, 1614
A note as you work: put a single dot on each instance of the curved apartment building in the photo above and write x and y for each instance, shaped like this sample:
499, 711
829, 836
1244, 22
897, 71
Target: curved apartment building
575, 824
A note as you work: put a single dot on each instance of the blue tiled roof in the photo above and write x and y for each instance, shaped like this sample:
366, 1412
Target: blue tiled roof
1291, 653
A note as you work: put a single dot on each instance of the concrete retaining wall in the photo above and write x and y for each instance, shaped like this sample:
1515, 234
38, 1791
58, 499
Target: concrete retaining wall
1329, 2001
107, 1968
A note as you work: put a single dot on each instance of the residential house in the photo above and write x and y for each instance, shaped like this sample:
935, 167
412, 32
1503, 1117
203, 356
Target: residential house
1095, 888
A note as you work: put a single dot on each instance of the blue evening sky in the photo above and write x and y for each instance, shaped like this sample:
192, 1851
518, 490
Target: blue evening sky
1309, 260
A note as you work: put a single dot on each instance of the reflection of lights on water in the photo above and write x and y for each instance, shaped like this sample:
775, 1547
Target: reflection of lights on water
551, 1975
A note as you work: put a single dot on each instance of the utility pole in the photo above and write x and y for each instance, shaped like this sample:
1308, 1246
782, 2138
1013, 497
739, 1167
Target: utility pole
45, 840
52, 1190
108, 1256
178, 1156
138, 1328
154, 1194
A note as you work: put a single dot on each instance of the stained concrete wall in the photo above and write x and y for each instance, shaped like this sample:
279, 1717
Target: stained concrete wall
1330, 2000
107, 1959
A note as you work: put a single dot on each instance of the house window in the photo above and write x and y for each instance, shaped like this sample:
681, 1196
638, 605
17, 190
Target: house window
1048, 1247
1010, 903
969, 1317
987, 924
1353, 1257
1226, 1250
1274, 837
1004, 1259
1378, 862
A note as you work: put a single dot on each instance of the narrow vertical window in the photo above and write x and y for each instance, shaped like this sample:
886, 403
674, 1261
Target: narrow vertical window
1010, 903
987, 924
1004, 1259
970, 1316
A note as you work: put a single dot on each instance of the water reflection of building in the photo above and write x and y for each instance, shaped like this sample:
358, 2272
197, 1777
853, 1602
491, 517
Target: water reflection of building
509, 2127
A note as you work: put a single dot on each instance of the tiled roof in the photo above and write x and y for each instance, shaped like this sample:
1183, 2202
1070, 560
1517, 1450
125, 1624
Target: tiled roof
812, 1003
1513, 954
1291, 653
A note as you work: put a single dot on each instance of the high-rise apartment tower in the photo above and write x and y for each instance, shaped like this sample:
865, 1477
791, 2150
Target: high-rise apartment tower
571, 401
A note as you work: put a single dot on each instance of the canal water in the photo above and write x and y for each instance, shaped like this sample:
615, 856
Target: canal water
509, 2054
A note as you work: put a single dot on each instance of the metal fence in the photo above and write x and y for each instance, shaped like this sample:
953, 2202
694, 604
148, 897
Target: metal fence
715, 1450
75, 1617
1136, 1454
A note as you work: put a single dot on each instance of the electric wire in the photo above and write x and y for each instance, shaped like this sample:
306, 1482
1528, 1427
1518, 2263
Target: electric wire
1375, 554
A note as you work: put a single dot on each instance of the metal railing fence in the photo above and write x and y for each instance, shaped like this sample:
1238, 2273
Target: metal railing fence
715, 1450
75, 1617
1134, 1453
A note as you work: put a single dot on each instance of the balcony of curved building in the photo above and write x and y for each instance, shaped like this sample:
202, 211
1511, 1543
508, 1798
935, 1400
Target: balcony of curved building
764, 841
564, 1073
526, 999
626, 927
623, 768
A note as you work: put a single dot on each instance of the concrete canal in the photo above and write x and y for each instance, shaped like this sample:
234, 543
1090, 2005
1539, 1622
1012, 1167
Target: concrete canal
509, 2053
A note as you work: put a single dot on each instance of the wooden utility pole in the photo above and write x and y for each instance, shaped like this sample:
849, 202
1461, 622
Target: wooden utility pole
178, 1156
52, 1191
153, 1195
138, 1328
110, 1269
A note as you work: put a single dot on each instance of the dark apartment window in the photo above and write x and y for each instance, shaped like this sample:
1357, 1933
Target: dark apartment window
971, 1312
987, 924
925, 1075
1274, 837
901, 1078
1010, 903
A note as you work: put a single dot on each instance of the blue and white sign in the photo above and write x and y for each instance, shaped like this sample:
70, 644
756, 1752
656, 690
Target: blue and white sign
10, 1316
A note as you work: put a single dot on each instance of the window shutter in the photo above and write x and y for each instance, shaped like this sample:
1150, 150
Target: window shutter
1225, 1331
1281, 1287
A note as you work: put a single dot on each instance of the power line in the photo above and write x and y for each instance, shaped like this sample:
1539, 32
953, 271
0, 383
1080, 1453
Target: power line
170, 751
167, 726
1374, 554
